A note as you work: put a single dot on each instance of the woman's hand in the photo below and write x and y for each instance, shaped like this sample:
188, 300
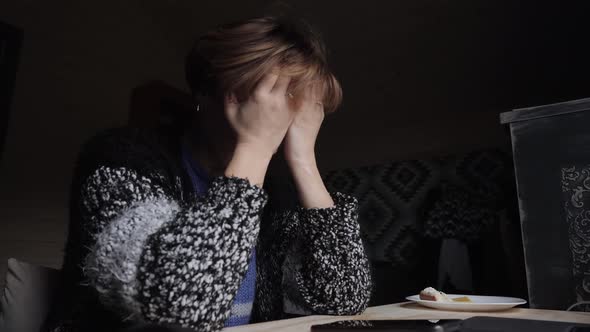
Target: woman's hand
261, 121
260, 124
299, 148
300, 140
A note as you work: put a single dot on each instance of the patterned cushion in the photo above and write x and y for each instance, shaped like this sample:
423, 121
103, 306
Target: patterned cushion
408, 209
398, 200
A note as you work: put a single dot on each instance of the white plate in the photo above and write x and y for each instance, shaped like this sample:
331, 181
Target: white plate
480, 303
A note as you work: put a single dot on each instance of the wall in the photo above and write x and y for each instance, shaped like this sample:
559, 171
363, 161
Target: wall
79, 62
421, 78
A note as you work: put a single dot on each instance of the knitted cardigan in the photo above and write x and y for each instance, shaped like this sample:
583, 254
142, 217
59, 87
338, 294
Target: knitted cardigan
241, 308
142, 247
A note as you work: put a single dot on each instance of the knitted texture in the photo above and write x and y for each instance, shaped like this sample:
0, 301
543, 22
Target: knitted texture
242, 305
143, 247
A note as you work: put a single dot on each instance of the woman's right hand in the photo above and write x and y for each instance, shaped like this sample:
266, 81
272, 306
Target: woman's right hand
261, 121
260, 124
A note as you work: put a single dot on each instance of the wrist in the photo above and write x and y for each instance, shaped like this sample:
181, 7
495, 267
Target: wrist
304, 170
310, 186
253, 151
302, 160
250, 163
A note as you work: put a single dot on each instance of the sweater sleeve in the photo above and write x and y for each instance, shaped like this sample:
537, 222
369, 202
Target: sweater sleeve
153, 258
326, 270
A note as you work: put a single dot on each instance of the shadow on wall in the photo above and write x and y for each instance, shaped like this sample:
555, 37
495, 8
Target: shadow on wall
156, 104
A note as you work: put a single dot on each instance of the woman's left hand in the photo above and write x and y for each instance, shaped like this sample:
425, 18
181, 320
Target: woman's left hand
299, 143
299, 146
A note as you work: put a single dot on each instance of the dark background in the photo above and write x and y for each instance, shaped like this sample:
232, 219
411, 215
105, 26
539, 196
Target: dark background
421, 79
10, 44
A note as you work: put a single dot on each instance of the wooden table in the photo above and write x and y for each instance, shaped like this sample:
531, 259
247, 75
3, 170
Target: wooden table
409, 311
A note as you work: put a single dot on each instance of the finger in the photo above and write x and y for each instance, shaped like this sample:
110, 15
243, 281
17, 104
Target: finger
280, 87
316, 91
308, 99
230, 105
315, 94
267, 83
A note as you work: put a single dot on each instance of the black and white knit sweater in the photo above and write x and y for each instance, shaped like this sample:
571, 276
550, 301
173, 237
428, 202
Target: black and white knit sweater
143, 247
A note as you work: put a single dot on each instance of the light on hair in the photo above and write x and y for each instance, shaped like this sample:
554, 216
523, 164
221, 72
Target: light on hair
235, 57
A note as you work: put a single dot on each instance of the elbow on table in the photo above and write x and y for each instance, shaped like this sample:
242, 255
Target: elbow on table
351, 300
357, 304
360, 294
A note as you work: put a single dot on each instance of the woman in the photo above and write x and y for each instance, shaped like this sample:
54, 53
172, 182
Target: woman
175, 228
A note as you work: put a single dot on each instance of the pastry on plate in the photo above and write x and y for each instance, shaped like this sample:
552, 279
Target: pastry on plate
431, 294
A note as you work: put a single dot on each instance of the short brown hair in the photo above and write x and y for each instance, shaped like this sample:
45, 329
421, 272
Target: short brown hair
235, 57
